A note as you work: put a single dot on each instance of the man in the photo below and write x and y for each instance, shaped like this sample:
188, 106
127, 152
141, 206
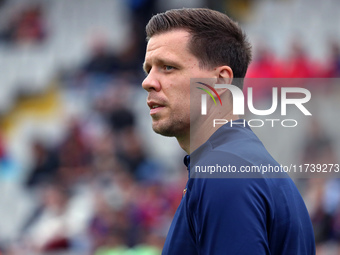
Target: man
220, 215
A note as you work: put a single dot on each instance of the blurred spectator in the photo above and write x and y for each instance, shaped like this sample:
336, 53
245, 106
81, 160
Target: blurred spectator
264, 64
336, 225
333, 68
104, 160
47, 229
141, 12
102, 59
132, 155
26, 27
74, 156
2, 2
8, 166
318, 148
323, 204
2, 148
3, 156
45, 166
121, 120
298, 65
109, 227
321, 219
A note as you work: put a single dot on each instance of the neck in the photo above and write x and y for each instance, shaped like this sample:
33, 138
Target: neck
200, 131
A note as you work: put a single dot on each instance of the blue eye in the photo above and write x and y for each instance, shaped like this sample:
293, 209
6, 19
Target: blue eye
168, 68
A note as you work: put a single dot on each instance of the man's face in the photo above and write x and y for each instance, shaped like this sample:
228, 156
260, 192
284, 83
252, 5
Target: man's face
169, 66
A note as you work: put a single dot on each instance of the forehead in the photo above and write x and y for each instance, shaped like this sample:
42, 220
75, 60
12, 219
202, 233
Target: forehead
173, 44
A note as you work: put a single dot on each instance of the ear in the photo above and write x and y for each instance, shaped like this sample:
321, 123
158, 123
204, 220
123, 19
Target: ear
225, 76
225, 73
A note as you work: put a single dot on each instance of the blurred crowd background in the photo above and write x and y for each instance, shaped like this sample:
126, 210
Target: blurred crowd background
81, 171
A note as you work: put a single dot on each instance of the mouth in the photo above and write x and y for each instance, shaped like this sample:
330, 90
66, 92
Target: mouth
155, 107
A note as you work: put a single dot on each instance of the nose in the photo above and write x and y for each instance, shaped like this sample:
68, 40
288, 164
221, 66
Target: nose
151, 83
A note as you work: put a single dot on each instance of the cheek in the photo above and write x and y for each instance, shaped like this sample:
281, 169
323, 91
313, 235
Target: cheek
180, 102
195, 102
179, 91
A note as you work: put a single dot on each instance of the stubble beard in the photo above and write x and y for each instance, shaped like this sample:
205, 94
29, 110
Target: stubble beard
171, 127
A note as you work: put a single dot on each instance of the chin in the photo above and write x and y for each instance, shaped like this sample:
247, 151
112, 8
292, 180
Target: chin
165, 131
163, 128
169, 129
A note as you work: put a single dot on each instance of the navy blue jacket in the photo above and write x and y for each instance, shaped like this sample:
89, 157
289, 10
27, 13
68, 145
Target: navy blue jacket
239, 216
